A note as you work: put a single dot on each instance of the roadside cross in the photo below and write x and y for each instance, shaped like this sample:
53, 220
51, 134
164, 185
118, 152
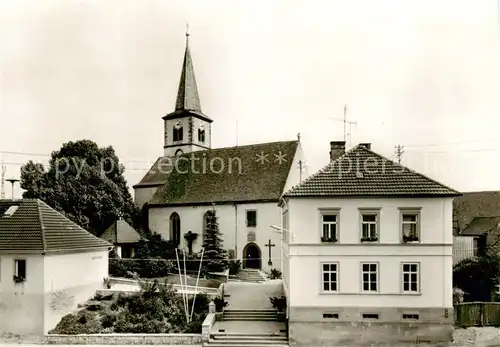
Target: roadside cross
269, 245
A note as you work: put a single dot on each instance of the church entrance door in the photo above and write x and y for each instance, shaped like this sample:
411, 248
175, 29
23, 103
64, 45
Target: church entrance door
252, 256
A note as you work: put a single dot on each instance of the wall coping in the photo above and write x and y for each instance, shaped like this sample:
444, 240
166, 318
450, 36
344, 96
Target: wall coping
123, 335
125, 339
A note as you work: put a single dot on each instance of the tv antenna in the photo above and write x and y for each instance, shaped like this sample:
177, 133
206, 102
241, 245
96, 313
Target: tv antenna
346, 123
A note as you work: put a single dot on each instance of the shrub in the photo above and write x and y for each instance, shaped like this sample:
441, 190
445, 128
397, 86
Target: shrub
145, 268
234, 267
275, 274
279, 303
220, 303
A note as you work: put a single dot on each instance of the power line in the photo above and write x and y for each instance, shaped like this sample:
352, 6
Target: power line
49, 155
452, 143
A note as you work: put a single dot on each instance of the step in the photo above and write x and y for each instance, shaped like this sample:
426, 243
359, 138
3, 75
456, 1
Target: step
257, 310
246, 342
251, 319
248, 337
244, 335
238, 344
251, 314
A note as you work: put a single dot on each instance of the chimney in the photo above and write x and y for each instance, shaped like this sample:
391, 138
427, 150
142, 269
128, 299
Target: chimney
366, 145
337, 149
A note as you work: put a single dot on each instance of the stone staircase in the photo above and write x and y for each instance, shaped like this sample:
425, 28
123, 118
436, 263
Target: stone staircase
244, 340
223, 339
250, 275
250, 315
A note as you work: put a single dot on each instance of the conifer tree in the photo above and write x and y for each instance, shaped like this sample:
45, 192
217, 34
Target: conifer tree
215, 258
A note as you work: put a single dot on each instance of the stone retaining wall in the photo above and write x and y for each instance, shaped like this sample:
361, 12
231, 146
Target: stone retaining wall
125, 339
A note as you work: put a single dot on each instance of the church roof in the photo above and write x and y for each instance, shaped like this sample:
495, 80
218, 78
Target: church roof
235, 174
188, 99
30, 225
120, 232
361, 172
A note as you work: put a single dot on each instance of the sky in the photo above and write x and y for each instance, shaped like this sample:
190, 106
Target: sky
422, 74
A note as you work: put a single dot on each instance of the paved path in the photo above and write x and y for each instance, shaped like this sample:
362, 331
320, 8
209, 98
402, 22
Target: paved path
251, 296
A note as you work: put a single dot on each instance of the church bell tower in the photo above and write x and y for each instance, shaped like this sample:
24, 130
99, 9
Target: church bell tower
187, 129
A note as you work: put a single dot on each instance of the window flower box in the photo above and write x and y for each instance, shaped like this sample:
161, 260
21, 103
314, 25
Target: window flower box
410, 238
328, 239
369, 239
19, 279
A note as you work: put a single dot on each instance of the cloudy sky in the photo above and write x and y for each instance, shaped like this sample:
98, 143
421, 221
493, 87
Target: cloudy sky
424, 74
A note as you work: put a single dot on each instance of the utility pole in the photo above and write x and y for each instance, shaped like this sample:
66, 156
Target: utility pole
399, 152
301, 167
2, 192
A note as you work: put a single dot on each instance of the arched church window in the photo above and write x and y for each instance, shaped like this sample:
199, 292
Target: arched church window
201, 134
178, 132
175, 229
179, 152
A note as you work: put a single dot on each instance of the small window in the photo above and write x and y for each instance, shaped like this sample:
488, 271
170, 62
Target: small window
410, 277
201, 135
19, 269
251, 219
369, 223
329, 227
178, 132
370, 315
330, 277
411, 316
369, 277
410, 226
331, 315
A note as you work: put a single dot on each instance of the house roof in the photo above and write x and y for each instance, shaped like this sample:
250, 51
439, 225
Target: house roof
121, 232
481, 225
237, 174
362, 172
475, 204
36, 227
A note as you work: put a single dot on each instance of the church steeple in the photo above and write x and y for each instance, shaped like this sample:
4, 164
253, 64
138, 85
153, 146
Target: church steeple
187, 95
187, 129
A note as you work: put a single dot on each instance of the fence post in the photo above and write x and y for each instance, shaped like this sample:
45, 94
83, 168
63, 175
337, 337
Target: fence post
481, 314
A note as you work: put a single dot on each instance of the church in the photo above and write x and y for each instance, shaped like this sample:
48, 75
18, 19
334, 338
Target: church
243, 184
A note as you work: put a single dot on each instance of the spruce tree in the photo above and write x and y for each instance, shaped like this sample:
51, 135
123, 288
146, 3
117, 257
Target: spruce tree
215, 258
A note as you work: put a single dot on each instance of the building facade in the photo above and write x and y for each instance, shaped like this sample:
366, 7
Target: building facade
48, 265
373, 241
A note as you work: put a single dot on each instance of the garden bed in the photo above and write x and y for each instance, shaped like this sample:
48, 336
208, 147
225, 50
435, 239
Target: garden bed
154, 310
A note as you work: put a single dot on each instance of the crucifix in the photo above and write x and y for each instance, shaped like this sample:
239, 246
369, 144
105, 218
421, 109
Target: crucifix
270, 262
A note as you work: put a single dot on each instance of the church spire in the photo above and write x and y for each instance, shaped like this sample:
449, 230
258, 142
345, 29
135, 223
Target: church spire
187, 94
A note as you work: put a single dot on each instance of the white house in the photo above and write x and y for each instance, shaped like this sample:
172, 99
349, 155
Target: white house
368, 253
244, 183
48, 265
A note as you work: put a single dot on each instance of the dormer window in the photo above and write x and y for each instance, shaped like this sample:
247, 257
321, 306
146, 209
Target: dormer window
178, 132
201, 134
